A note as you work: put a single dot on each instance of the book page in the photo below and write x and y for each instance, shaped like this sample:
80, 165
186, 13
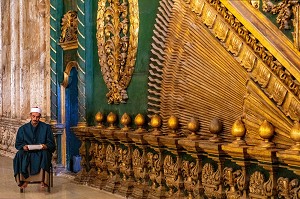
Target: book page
35, 147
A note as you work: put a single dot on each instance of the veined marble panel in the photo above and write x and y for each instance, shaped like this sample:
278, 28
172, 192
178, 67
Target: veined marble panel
24, 65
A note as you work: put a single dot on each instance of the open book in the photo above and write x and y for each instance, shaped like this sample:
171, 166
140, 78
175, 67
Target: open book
35, 147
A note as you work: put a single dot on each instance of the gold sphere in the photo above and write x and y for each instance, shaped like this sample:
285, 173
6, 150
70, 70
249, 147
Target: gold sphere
125, 119
155, 121
99, 117
139, 120
193, 125
238, 128
266, 130
173, 122
215, 126
111, 118
295, 132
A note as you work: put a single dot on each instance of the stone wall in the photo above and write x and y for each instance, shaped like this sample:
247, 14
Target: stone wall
24, 65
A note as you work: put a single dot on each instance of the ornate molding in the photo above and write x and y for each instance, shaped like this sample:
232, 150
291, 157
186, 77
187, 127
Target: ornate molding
117, 47
275, 80
69, 30
70, 65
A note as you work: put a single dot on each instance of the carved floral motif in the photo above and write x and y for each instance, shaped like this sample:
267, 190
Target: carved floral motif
117, 37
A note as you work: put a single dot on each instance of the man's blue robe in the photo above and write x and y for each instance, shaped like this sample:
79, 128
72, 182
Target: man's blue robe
30, 163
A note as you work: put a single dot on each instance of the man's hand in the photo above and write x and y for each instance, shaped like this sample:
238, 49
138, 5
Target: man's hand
25, 148
44, 146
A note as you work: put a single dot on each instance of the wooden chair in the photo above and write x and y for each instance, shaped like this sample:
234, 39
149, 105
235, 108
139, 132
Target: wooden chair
50, 181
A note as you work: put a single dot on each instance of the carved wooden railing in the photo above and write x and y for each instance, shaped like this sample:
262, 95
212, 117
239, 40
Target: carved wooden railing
140, 163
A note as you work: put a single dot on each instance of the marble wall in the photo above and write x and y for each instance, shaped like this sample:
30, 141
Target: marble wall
24, 65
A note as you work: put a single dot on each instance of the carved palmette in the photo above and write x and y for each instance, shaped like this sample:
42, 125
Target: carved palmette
236, 181
190, 173
258, 187
171, 173
138, 166
211, 181
117, 38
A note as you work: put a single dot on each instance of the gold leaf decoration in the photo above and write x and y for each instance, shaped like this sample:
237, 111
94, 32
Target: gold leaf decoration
117, 40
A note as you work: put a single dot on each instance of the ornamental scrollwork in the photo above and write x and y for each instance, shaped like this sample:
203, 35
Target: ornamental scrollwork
190, 173
287, 188
171, 174
236, 181
284, 11
138, 166
117, 39
211, 181
258, 187
155, 170
69, 28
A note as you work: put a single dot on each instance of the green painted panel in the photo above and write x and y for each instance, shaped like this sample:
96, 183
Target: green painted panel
137, 90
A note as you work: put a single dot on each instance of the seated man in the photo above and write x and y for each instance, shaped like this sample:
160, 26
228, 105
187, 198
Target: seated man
33, 165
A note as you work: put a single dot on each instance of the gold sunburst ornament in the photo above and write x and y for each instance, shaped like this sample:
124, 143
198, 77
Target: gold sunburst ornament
117, 47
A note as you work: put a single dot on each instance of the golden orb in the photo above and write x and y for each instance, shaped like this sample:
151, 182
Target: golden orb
139, 120
111, 118
173, 122
295, 132
99, 117
215, 126
238, 128
125, 121
155, 121
193, 125
266, 130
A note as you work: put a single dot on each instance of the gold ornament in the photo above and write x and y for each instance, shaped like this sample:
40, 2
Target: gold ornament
111, 119
139, 121
99, 117
193, 126
215, 128
156, 124
173, 124
125, 121
266, 131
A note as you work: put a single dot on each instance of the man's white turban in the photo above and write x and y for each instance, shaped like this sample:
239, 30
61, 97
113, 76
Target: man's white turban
36, 110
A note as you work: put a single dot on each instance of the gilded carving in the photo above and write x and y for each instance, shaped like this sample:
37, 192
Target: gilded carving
261, 74
277, 92
190, 173
296, 32
171, 175
100, 158
221, 30
236, 181
155, 170
197, 6
255, 3
211, 181
117, 38
138, 165
248, 59
258, 187
294, 109
209, 17
287, 188
125, 163
234, 44
69, 30
283, 10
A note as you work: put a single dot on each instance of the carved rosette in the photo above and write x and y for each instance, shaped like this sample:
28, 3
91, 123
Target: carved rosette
117, 40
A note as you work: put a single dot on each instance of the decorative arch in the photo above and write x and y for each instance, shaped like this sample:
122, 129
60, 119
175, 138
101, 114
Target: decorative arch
67, 71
